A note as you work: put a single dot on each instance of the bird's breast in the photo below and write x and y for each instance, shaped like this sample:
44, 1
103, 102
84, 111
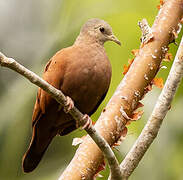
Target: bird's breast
90, 81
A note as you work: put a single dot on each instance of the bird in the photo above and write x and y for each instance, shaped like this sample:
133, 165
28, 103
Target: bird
83, 73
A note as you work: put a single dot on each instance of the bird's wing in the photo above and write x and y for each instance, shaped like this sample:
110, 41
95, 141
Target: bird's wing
44, 114
98, 104
53, 74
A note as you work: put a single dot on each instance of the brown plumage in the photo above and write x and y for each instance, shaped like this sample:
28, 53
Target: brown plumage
82, 72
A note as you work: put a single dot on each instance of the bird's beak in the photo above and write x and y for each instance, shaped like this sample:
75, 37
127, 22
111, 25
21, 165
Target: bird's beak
114, 38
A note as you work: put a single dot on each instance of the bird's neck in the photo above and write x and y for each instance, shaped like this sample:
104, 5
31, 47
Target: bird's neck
87, 40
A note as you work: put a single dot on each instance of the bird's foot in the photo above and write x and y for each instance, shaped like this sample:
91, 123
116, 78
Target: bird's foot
69, 104
88, 123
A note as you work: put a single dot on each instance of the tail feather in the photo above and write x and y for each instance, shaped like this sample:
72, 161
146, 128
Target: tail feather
36, 150
31, 159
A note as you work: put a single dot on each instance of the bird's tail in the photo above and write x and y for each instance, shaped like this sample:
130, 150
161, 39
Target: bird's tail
35, 151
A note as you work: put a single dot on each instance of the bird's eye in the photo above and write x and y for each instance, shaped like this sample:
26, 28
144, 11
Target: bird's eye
102, 29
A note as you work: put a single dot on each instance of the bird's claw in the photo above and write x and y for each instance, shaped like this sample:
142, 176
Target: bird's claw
69, 104
88, 123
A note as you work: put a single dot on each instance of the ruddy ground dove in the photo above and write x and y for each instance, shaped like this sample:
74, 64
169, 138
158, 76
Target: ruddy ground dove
82, 72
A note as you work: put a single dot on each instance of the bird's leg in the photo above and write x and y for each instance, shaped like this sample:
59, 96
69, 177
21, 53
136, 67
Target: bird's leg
69, 104
88, 123
86, 118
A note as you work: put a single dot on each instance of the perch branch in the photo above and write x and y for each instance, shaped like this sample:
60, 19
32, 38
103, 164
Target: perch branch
78, 116
132, 88
153, 125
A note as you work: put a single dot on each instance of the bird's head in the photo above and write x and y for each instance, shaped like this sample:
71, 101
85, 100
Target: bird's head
97, 30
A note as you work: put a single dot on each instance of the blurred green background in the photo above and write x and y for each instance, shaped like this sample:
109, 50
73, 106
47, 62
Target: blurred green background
32, 32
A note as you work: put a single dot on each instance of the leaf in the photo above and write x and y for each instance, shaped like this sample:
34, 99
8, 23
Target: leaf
128, 123
139, 105
127, 67
160, 5
168, 57
135, 52
148, 88
100, 168
93, 123
137, 115
158, 82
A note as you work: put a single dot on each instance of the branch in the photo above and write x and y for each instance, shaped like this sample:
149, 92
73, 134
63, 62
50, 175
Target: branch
153, 125
132, 88
77, 115
147, 34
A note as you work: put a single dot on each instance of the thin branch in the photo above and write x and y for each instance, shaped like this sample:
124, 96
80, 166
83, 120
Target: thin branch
153, 125
130, 91
147, 34
77, 115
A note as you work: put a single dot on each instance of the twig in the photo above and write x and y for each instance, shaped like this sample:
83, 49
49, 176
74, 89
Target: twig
147, 34
153, 125
77, 115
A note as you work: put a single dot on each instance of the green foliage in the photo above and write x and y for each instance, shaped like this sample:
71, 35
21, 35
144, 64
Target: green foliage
56, 25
